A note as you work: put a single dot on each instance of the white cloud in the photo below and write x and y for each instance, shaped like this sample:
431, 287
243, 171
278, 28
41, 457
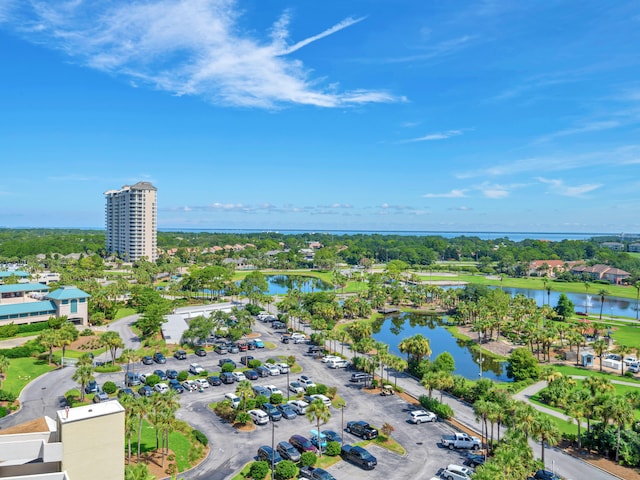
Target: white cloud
187, 47
444, 48
586, 128
558, 187
452, 194
434, 136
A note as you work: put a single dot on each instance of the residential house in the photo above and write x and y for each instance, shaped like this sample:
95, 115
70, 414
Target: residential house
601, 272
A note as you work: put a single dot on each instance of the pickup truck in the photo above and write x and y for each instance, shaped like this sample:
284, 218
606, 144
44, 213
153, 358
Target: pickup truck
315, 474
460, 440
362, 429
358, 456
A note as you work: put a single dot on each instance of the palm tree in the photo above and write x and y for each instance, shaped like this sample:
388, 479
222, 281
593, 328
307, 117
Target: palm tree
621, 413
481, 408
245, 390
112, 341
430, 381
139, 410
637, 287
600, 347
523, 418
576, 409
547, 431
603, 293
416, 347
343, 337
49, 339
129, 422
622, 350
399, 365
138, 472
83, 374
4, 367
319, 412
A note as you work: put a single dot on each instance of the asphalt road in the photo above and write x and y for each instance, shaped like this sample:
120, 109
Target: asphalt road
231, 449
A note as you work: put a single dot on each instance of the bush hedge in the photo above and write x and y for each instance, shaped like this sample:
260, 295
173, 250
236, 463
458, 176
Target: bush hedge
200, 437
442, 410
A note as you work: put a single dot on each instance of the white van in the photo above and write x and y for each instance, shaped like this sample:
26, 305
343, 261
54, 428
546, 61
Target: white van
233, 398
634, 367
457, 472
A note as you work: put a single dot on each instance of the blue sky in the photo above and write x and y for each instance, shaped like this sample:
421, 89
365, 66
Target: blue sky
360, 115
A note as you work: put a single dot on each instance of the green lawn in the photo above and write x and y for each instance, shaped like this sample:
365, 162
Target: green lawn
626, 335
586, 372
178, 442
22, 371
124, 312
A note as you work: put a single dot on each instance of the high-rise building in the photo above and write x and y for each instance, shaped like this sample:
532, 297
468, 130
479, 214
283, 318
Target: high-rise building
130, 217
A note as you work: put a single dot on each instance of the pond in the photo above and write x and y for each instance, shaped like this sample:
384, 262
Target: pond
281, 284
393, 329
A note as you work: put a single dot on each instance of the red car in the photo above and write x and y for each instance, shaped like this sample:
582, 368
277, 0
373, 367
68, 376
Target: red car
303, 444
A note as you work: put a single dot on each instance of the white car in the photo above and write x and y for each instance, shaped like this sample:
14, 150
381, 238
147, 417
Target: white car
283, 367
422, 416
326, 400
273, 389
189, 385
299, 406
143, 377
457, 472
195, 369
161, 387
330, 358
233, 398
342, 363
259, 417
201, 383
273, 369
296, 387
238, 376
306, 382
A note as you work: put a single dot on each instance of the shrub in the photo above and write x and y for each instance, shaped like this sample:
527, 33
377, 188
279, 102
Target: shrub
276, 398
108, 368
333, 449
260, 399
331, 392
254, 363
321, 389
442, 410
151, 380
109, 387
33, 327
308, 459
374, 383
225, 411
183, 375
259, 470
171, 469
10, 330
3, 412
252, 309
200, 437
311, 390
286, 469
86, 332
23, 351
6, 396
227, 367
243, 418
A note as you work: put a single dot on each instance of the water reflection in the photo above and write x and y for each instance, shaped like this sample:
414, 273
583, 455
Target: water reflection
392, 329
281, 284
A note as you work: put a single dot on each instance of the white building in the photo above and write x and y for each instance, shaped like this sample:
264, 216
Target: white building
130, 218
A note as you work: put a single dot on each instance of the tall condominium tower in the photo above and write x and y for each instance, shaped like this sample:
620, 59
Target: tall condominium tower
130, 217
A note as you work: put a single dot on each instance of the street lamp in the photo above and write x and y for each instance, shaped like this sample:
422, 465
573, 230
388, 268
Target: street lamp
273, 449
480, 345
342, 407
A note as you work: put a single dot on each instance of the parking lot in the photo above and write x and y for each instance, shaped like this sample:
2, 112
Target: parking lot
232, 449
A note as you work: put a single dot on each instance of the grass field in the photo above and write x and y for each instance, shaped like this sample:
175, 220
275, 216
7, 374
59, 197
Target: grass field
178, 442
22, 371
124, 312
587, 372
627, 335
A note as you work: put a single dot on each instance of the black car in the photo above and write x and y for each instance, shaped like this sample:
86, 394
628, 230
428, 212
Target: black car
274, 414
91, 387
332, 436
175, 385
159, 358
145, 391
286, 411
251, 345
362, 429
245, 359
262, 371
126, 391
214, 380
545, 475
251, 375
227, 377
201, 352
226, 360
180, 355
358, 456
266, 453
147, 360
172, 374
160, 373
288, 451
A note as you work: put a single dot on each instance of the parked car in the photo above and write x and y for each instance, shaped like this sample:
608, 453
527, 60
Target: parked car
201, 352
245, 359
227, 377
189, 385
242, 346
91, 387
545, 475
100, 396
238, 376
342, 363
272, 411
258, 416
127, 391
233, 398
214, 380
175, 385
161, 387
258, 343
319, 440
132, 379
266, 453
283, 367
323, 398
287, 411
332, 436
262, 371
457, 472
361, 429
260, 390
221, 349
318, 473
303, 444
460, 440
273, 389
360, 377
358, 456
161, 375
180, 355
233, 348
330, 358
306, 382
288, 451
196, 369
474, 459
145, 391
171, 373
143, 377
202, 383
159, 358
251, 374
222, 361
147, 360
296, 387
299, 406
422, 416
273, 370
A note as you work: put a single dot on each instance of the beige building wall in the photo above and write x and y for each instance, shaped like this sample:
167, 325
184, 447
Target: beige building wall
131, 221
93, 441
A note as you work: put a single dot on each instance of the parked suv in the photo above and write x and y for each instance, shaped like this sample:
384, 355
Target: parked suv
227, 377
361, 377
180, 355
457, 472
303, 444
159, 358
221, 349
